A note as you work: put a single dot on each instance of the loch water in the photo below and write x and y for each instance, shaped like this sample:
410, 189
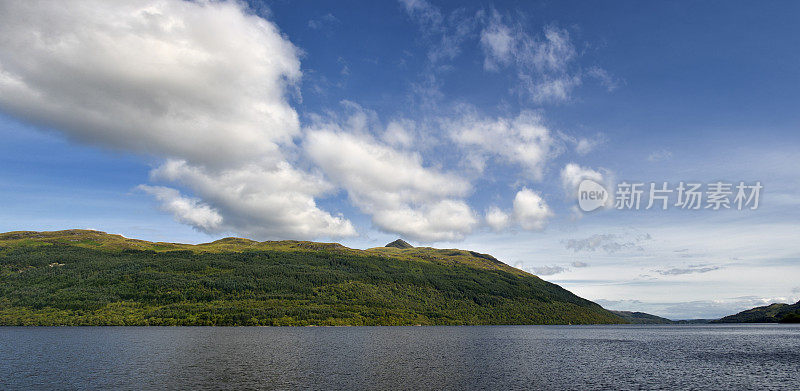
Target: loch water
619, 357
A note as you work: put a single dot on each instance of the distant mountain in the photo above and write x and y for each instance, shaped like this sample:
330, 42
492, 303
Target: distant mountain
399, 243
641, 318
693, 321
81, 277
773, 313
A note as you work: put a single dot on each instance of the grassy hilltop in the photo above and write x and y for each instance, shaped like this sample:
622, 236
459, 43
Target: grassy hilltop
81, 277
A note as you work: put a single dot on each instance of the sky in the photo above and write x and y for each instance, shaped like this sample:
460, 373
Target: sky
448, 124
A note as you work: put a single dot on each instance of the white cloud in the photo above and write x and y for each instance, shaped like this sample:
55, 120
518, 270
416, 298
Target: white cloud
497, 41
676, 271
579, 264
530, 210
550, 53
423, 11
186, 210
523, 140
259, 201
547, 270
399, 134
442, 220
393, 187
201, 84
497, 219
200, 80
548, 87
585, 145
604, 78
553, 53
542, 63
572, 174
445, 33
610, 243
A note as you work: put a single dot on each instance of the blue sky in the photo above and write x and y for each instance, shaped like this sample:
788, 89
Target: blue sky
447, 124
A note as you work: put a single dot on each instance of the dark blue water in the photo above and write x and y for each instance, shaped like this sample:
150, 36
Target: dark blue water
351, 358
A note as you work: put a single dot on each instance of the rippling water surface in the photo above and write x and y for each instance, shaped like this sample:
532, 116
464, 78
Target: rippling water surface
352, 358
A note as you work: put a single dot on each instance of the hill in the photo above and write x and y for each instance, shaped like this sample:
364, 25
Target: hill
399, 243
773, 313
641, 318
80, 277
693, 321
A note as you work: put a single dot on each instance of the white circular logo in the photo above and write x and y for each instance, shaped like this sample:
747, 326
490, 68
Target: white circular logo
591, 195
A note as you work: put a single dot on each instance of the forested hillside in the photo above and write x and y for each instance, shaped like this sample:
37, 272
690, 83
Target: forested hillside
641, 317
776, 312
81, 277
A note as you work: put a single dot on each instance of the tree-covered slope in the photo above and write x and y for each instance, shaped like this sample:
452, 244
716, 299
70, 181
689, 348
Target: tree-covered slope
773, 313
92, 278
641, 317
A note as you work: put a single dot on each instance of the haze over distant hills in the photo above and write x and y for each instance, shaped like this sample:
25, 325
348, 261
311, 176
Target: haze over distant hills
773, 313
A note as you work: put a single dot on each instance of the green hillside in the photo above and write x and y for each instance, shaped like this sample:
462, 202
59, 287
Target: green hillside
773, 313
641, 318
80, 277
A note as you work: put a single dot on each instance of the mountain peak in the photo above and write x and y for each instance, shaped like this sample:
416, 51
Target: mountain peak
399, 243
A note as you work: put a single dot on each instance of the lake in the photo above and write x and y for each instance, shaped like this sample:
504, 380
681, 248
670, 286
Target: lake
353, 358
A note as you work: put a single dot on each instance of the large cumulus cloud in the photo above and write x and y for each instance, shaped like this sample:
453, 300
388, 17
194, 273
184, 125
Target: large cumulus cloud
205, 89
200, 84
